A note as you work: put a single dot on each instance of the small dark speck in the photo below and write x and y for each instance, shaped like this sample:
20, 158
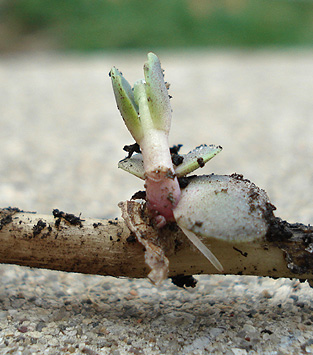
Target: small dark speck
113, 222
184, 281
177, 159
245, 254
139, 195
183, 182
201, 163
267, 331
131, 238
22, 329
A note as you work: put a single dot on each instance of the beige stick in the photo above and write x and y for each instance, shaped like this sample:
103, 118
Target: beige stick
107, 247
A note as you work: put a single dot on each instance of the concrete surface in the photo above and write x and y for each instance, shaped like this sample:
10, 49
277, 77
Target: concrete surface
61, 138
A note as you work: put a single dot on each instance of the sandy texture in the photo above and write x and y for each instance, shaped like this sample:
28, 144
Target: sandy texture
61, 137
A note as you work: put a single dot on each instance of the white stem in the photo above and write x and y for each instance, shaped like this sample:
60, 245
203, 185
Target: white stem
155, 151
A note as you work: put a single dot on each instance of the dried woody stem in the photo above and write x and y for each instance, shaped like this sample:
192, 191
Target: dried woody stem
228, 218
107, 247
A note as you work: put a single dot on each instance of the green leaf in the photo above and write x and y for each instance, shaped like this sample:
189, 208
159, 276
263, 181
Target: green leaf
133, 165
197, 158
157, 95
141, 100
124, 97
202, 154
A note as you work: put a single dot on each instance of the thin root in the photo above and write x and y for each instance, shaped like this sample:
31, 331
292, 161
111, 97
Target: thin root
203, 249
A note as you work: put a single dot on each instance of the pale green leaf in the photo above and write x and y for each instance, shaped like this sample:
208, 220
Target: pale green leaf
126, 104
196, 158
157, 95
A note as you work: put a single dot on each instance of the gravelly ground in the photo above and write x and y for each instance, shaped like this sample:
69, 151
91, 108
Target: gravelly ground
61, 137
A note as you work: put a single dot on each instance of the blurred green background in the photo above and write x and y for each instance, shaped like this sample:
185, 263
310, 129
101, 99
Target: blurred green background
88, 25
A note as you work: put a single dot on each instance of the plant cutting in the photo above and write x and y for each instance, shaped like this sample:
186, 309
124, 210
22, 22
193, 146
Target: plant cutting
200, 207
227, 218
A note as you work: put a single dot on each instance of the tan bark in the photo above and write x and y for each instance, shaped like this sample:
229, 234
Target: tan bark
107, 247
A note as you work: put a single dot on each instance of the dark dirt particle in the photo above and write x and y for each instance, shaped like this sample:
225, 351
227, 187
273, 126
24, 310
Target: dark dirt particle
6, 215
177, 159
139, 195
5, 220
131, 238
96, 225
201, 162
245, 254
184, 281
114, 223
183, 182
253, 194
175, 149
278, 230
239, 177
198, 223
12, 209
39, 227
172, 226
69, 217
266, 331
131, 149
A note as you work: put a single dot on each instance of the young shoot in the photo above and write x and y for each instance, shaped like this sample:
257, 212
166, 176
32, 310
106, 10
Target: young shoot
146, 111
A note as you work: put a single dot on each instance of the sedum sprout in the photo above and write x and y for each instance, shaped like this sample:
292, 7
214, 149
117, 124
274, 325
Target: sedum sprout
222, 207
146, 111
